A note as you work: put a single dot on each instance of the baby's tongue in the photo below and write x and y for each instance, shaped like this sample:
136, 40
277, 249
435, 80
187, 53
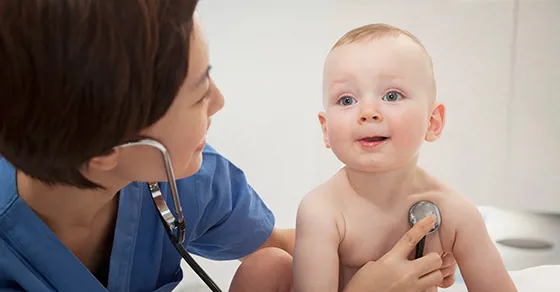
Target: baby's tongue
374, 139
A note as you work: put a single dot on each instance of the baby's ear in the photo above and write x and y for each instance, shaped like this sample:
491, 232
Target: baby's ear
323, 121
436, 123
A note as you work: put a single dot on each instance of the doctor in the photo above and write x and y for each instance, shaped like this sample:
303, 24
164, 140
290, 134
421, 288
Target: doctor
77, 79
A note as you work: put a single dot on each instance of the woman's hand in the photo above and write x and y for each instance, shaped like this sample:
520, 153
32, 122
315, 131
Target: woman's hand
395, 273
448, 269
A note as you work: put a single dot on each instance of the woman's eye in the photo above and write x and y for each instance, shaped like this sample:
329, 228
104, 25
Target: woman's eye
392, 96
206, 95
346, 101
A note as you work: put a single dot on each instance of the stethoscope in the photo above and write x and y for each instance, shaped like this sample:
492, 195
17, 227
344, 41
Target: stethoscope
418, 212
175, 227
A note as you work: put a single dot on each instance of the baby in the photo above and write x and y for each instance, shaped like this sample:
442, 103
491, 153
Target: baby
380, 105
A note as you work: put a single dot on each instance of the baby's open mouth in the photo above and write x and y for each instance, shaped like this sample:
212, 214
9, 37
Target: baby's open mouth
374, 139
372, 142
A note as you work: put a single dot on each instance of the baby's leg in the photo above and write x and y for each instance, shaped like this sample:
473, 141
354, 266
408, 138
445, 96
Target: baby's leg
267, 270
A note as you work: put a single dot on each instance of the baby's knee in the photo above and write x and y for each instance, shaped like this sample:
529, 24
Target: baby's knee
269, 269
269, 261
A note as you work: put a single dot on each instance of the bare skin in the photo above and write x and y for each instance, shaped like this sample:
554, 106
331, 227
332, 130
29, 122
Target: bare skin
362, 242
354, 230
380, 106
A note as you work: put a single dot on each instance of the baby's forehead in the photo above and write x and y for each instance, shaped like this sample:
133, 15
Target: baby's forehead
389, 55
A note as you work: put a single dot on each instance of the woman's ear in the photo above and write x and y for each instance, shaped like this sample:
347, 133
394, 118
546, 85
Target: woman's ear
105, 162
436, 123
323, 122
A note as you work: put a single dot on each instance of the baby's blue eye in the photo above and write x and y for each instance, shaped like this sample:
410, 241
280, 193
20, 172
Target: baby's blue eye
346, 101
392, 96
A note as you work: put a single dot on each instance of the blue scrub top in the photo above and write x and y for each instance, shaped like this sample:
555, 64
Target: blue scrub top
225, 219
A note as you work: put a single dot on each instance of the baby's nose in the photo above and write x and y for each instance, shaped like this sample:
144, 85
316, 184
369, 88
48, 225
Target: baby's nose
370, 116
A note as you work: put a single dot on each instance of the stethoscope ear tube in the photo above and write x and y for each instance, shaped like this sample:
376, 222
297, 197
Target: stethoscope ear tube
173, 224
169, 221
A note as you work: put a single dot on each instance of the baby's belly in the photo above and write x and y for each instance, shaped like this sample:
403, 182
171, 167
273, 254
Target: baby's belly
346, 274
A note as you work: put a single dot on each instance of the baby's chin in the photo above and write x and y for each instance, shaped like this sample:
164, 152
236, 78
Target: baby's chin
374, 165
368, 168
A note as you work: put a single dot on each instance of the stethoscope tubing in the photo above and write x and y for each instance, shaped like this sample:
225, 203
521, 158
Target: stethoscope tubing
175, 226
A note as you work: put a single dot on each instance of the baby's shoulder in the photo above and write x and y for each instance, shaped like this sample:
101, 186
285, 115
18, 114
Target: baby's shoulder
455, 207
321, 197
434, 189
459, 209
323, 203
327, 194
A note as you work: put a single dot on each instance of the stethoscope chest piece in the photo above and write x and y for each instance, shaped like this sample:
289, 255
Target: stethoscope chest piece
418, 212
424, 209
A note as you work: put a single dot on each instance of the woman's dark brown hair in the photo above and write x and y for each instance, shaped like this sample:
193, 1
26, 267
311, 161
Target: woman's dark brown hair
77, 78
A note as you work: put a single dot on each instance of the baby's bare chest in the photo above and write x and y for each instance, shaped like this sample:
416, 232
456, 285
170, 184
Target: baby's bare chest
370, 233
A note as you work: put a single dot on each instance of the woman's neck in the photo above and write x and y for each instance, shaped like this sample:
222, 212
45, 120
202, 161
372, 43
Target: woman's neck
63, 207
83, 220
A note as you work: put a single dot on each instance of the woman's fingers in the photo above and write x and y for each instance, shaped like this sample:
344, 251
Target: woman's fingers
432, 279
447, 281
427, 264
448, 260
410, 239
448, 269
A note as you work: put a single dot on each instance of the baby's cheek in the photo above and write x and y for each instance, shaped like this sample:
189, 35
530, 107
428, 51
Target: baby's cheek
338, 131
411, 138
409, 130
340, 140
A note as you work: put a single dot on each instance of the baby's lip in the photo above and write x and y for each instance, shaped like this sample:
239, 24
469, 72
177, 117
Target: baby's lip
373, 138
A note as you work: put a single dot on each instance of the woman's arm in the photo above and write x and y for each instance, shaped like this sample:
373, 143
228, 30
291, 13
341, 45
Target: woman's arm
283, 239
227, 220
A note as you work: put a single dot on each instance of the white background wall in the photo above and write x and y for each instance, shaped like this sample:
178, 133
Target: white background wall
497, 66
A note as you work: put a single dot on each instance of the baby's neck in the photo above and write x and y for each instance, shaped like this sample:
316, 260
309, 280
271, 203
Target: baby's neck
385, 188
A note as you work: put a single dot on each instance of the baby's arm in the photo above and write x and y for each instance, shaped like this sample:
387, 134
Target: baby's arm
478, 258
316, 260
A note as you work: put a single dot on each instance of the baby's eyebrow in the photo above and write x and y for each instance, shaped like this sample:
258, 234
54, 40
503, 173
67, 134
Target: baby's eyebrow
336, 85
339, 82
388, 76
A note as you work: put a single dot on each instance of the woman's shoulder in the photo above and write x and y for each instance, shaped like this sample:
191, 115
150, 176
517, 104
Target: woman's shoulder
8, 191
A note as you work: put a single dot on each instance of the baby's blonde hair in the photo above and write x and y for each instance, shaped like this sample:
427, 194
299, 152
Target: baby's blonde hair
374, 31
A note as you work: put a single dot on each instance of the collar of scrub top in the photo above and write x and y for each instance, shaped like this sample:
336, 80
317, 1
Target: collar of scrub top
175, 224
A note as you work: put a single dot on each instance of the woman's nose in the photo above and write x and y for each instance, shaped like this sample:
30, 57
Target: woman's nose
216, 100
